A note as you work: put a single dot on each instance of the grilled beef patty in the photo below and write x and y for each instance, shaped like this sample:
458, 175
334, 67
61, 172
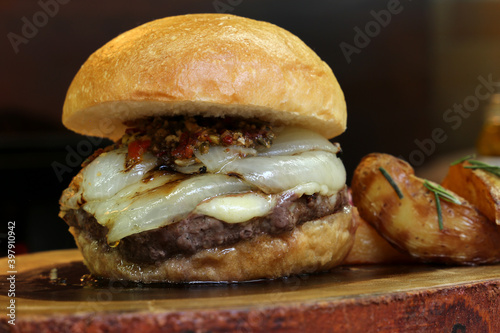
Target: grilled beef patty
197, 232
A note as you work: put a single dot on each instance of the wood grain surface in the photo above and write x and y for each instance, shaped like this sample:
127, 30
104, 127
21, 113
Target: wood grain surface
50, 297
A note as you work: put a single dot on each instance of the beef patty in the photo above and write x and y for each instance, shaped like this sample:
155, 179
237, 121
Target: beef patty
197, 232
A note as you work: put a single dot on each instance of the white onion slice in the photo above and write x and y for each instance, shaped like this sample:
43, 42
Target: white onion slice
105, 176
294, 140
279, 173
218, 156
133, 212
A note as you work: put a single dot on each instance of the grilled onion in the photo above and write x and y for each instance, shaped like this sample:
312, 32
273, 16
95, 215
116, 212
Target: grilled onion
218, 156
275, 174
107, 175
159, 205
294, 140
104, 177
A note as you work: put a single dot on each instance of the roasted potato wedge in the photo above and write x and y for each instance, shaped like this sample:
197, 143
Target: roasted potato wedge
370, 248
479, 187
411, 223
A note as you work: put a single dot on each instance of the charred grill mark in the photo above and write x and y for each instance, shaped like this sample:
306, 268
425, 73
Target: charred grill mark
235, 174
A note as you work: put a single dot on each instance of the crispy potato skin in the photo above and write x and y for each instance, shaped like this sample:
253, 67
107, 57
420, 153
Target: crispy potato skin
479, 187
411, 223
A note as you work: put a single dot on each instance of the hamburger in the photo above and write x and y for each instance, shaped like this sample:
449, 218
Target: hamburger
221, 167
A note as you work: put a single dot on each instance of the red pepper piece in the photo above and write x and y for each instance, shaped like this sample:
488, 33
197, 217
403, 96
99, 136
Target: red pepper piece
227, 140
137, 148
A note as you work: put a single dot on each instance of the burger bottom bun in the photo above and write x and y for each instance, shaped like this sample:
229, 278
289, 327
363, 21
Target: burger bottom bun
316, 245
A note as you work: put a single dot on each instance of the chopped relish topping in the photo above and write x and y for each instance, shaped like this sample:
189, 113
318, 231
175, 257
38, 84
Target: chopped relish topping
175, 139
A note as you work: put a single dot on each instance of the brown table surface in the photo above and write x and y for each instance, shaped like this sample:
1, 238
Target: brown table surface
373, 298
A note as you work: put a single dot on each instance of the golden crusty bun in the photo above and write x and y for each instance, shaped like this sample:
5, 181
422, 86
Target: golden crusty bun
313, 246
204, 64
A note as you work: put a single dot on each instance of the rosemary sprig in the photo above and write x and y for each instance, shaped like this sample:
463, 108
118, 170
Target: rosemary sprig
439, 212
441, 193
483, 166
391, 182
475, 164
463, 159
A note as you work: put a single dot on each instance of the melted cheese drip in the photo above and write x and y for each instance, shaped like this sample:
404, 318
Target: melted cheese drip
237, 208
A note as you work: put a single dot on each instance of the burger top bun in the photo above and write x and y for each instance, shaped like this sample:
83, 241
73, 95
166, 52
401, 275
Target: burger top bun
204, 64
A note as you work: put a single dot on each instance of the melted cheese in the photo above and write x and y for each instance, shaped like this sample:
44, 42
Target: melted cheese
237, 208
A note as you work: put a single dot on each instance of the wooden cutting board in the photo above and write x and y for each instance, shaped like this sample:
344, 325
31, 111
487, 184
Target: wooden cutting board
50, 297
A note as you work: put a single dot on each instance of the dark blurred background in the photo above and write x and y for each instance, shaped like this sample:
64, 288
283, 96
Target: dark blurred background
402, 65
